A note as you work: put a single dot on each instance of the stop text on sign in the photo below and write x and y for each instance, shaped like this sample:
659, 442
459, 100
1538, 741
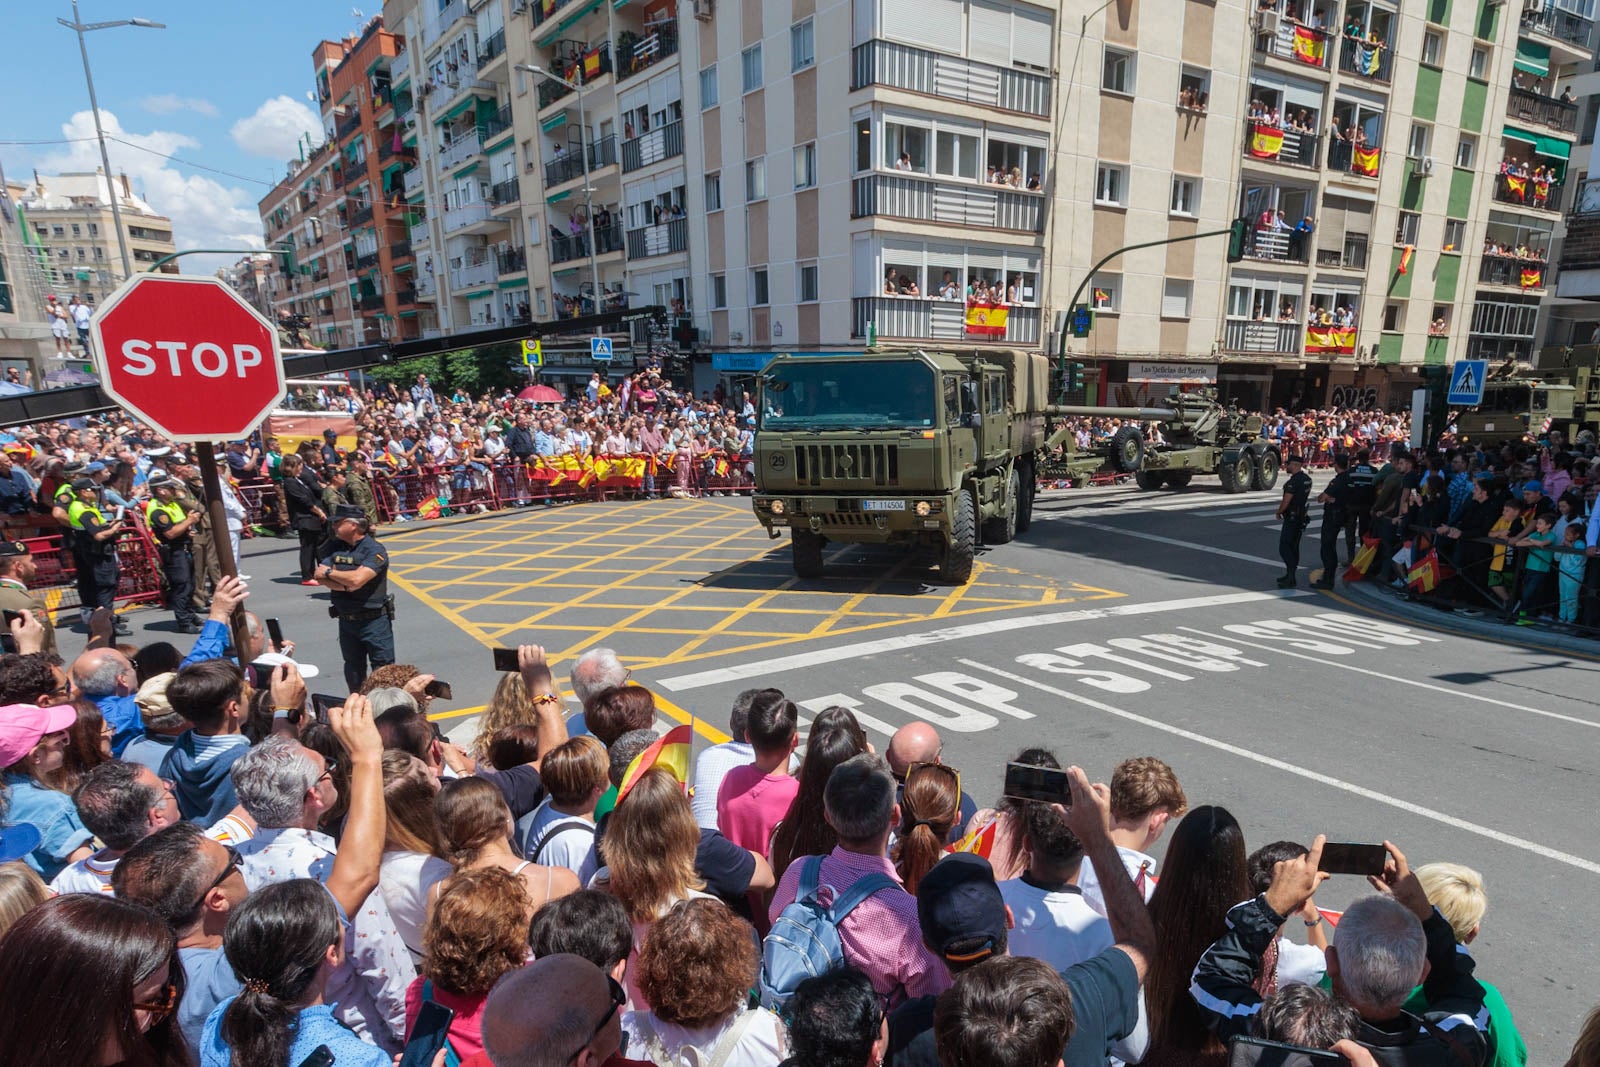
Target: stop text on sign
211, 360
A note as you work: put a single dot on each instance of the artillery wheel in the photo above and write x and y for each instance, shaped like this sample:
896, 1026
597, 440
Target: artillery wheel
1179, 479
1264, 471
1149, 481
1127, 449
807, 548
1236, 473
956, 566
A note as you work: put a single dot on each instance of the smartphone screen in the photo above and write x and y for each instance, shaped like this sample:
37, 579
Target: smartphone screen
275, 631
8, 644
1025, 782
1343, 858
321, 702
321, 1056
505, 659
438, 690
10, 617
428, 1035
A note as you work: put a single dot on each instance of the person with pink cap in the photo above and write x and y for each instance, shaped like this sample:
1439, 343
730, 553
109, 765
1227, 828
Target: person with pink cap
33, 744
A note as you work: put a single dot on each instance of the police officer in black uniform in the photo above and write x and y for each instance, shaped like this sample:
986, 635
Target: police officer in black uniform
1336, 500
172, 525
356, 571
1292, 509
95, 550
1363, 494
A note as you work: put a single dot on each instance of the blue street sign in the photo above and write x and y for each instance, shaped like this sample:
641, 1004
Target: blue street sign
600, 348
1466, 382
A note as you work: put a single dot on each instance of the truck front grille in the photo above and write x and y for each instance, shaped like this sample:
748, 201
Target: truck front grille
865, 464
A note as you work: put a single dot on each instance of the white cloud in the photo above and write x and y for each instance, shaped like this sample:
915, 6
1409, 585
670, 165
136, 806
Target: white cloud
275, 129
204, 212
167, 103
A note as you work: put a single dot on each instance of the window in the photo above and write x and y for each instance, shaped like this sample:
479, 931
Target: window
1117, 75
758, 287
1479, 64
805, 166
708, 87
863, 144
714, 192
77, 231
1175, 298
1194, 88
1455, 234
1185, 196
719, 291
1421, 135
750, 61
806, 290
1432, 48
94, 229
1105, 294
1466, 151
1439, 325
1406, 232
905, 147
1111, 184
802, 46
755, 179
1394, 316
956, 154
58, 231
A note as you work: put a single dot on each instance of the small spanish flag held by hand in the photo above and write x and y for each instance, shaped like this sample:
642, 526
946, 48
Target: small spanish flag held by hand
670, 753
980, 841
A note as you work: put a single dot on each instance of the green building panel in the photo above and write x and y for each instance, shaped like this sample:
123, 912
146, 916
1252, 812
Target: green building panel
1400, 284
1474, 101
1460, 203
1435, 353
1447, 276
1389, 346
1439, 11
1415, 186
1425, 105
1488, 19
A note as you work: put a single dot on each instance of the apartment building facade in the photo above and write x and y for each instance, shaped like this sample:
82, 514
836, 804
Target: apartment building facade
70, 216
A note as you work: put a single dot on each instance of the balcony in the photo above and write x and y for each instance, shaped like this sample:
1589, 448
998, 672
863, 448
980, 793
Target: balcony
1292, 148
569, 165
442, 21
427, 288
662, 239
405, 297
567, 247
505, 192
1372, 61
400, 67
1351, 254
511, 261
361, 216
1274, 246
399, 250
1549, 111
411, 183
366, 261
349, 124
1513, 270
418, 235
904, 196
463, 148
371, 302
637, 54
551, 91
1362, 160
658, 144
390, 147
491, 49
444, 93
464, 216
472, 275
902, 67
1301, 45
540, 10
1540, 195
925, 318
1265, 338
495, 125
1572, 30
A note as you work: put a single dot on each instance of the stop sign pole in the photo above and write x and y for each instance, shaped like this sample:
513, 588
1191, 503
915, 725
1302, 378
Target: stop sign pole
189, 357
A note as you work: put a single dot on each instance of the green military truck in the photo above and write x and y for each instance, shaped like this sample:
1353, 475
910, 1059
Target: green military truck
1560, 390
927, 449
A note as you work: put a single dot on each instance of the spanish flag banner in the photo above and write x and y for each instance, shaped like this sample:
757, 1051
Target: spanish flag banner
1427, 573
1405, 258
1324, 339
979, 842
1365, 161
1101, 297
1541, 189
986, 319
591, 64
431, 508
1532, 277
1310, 46
1266, 142
670, 752
1517, 187
1362, 561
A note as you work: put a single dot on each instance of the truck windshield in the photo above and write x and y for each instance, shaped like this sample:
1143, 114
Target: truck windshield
829, 394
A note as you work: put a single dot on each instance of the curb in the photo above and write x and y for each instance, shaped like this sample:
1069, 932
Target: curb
1369, 596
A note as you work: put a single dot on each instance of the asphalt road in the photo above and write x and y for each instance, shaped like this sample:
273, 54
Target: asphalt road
1121, 624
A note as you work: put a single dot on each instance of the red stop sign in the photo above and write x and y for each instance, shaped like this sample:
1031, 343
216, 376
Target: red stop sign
188, 356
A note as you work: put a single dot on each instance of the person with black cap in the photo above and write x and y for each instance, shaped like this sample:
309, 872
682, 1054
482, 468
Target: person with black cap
171, 524
1338, 498
95, 553
17, 569
330, 448
356, 572
1295, 512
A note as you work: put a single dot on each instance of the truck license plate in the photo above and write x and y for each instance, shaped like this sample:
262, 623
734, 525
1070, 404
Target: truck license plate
883, 505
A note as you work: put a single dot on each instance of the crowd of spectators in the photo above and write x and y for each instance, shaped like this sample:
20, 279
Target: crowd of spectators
1316, 433
227, 877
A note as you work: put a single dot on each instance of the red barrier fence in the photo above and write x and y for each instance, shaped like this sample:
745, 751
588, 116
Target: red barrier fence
137, 559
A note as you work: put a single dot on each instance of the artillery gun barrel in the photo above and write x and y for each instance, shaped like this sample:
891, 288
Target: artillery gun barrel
1145, 414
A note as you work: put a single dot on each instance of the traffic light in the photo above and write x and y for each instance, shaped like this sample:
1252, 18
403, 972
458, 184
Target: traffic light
1074, 376
1236, 235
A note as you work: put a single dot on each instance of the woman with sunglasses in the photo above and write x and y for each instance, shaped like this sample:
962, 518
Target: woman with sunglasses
91, 980
283, 942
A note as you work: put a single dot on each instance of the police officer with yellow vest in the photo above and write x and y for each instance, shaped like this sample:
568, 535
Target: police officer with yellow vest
355, 569
94, 550
171, 524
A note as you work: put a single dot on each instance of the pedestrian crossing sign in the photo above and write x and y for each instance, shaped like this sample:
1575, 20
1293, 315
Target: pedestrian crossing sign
600, 348
1466, 382
533, 353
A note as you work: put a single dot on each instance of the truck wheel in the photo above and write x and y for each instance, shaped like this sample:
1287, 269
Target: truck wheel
807, 548
1003, 527
1265, 470
956, 567
1236, 473
1127, 449
1179, 479
1030, 486
1149, 481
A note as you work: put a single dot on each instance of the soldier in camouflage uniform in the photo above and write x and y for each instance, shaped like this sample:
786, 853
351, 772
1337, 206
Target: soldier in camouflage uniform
358, 486
207, 567
334, 492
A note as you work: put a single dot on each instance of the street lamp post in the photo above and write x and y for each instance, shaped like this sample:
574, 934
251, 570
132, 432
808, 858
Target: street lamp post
80, 28
588, 191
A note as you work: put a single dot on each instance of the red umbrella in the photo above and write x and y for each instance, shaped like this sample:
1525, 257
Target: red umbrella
541, 394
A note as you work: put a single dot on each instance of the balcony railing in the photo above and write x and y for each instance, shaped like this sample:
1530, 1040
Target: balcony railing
567, 247
505, 192
1513, 270
1350, 255
1561, 25
418, 235
1276, 338
491, 49
512, 261
473, 274
349, 124
360, 215
550, 91
886, 63
1362, 159
411, 182
925, 318
569, 165
1294, 148
1557, 114
1279, 246
366, 260
427, 288
495, 124
463, 148
400, 66
465, 216
389, 147
1286, 39
658, 240
1528, 192
663, 142
399, 250
646, 51
441, 94
1366, 60
538, 10
905, 196
443, 20
405, 297
371, 302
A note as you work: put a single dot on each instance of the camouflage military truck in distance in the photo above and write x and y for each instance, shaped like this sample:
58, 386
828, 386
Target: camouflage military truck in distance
1559, 391
931, 449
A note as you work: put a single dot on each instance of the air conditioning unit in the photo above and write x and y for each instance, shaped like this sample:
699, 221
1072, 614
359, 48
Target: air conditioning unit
703, 10
519, 7
1425, 166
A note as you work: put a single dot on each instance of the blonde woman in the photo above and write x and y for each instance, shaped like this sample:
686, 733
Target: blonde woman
477, 829
20, 892
414, 855
511, 706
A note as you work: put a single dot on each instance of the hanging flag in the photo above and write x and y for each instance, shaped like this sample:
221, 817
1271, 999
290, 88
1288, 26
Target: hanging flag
979, 842
1325, 339
1266, 142
1310, 46
986, 319
1405, 258
1101, 297
1517, 187
1541, 189
1365, 161
1362, 561
1369, 59
1532, 277
591, 64
670, 752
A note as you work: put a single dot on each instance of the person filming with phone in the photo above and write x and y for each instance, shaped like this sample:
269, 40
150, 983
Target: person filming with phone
357, 574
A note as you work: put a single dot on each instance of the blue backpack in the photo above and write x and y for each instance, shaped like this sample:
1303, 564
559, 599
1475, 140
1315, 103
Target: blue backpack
804, 942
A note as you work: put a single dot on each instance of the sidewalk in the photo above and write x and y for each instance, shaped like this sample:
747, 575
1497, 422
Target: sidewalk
1383, 600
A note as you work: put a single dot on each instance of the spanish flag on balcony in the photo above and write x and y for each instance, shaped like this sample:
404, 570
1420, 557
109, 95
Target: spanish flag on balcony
1541, 189
1324, 339
986, 320
1532, 277
1266, 142
1517, 187
1310, 46
591, 64
1365, 161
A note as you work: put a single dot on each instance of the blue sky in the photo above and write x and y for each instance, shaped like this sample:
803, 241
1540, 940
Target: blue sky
223, 86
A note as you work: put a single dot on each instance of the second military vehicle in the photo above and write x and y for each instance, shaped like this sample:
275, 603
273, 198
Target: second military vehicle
1559, 391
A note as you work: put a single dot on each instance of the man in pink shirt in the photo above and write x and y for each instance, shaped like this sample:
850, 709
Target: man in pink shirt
753, 798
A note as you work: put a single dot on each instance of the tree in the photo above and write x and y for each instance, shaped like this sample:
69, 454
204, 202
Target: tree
484, 369
405, 372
